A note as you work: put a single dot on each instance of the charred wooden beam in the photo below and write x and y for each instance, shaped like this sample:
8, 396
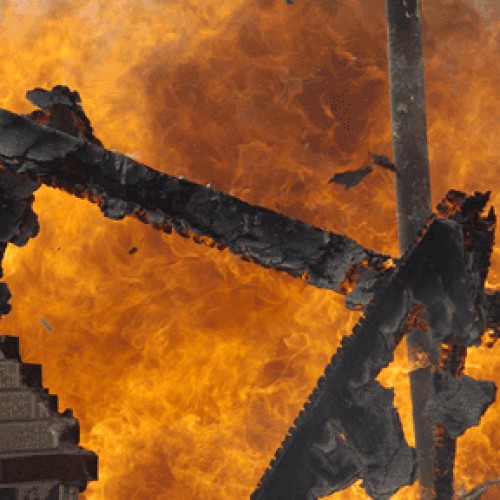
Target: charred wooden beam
18, 222
35, 153
456, 401
123, 187
413, 193
349, 428
492, 304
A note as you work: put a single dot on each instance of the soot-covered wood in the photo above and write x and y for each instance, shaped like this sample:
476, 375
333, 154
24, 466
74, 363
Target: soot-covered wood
32, 151
18, 222
337, 438
123, 187
456, 401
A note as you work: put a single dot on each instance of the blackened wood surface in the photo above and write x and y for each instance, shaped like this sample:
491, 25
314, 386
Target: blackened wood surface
409, 137
457, 401
349, 428
409, 129
123, 187
18, 222
493, 312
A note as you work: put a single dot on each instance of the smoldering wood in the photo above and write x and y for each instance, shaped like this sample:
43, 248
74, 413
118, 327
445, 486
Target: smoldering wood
123, 187
324, 259
336, 438
369, 275
456, 401
492, 304
409, 138
61, 109
458, 404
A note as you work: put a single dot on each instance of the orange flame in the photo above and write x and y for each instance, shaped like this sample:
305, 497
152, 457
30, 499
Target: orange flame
186, 366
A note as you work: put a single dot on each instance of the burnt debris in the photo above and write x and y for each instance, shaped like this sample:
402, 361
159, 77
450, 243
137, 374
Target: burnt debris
336, 438
351, 178
18, 222
123, 187
437, 288
455, 401
458, 404
60, 109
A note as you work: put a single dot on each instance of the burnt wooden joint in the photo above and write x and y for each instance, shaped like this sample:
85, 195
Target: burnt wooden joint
73, 160
336, 438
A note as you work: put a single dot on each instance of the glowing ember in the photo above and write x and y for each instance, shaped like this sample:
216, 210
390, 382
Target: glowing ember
184, 365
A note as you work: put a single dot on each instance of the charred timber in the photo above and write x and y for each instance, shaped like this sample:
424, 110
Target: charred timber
18, 222
123, 187
337, 437
456, 403
74, 160
413, 192
451, 389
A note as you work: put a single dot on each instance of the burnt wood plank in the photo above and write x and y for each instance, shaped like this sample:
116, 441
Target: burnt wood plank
336, 438
123, 187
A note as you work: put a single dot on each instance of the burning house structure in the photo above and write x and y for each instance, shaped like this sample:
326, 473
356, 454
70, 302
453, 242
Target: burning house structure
349, 429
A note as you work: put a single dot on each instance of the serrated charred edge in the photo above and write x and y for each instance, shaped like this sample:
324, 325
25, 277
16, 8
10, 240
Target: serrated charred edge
329, 372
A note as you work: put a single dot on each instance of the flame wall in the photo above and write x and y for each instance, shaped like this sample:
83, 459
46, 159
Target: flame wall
184, 365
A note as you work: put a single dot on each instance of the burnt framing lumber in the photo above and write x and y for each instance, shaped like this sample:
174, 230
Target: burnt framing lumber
65, 154
336, 438
457, 401
123, 187
73, 160
413, 192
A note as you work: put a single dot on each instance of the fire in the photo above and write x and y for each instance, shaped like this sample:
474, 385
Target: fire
184, 365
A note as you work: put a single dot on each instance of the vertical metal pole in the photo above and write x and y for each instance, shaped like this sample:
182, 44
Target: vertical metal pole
409, 136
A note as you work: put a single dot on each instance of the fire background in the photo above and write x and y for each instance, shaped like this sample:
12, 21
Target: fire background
185, 366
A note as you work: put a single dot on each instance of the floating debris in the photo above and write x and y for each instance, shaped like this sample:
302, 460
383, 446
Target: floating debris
44, 323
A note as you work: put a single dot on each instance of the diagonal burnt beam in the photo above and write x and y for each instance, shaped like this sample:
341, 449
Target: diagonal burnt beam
336, 439
123, 187
67, 155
